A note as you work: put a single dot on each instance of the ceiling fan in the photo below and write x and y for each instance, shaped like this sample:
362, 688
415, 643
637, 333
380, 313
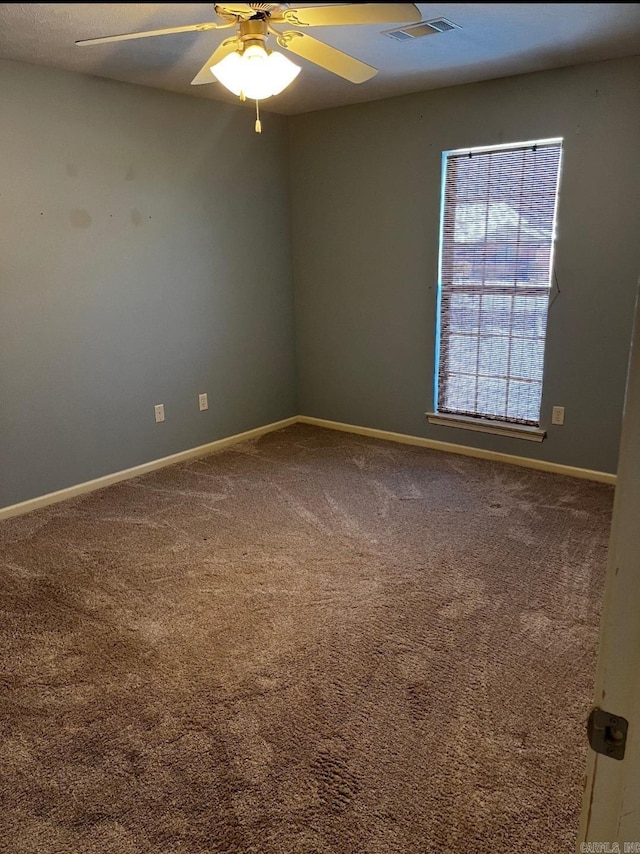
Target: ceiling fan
243, 64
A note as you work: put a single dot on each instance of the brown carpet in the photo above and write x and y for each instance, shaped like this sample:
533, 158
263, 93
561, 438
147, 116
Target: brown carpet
314, 643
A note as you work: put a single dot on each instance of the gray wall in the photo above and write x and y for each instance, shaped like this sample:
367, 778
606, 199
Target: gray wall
144, 258
365, 211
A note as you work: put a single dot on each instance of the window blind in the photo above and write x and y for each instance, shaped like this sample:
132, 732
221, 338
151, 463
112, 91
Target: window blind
495, 274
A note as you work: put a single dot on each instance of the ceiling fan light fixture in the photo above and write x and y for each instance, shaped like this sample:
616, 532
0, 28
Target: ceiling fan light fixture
255, 74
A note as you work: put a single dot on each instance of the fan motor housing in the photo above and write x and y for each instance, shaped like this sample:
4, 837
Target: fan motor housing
253, 32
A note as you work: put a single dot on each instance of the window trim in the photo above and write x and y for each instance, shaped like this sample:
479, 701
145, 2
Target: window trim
468, 422
487, 425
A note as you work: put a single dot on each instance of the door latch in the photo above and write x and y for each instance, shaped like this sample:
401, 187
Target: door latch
607, 733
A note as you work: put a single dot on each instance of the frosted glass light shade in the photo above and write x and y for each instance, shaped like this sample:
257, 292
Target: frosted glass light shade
255, 73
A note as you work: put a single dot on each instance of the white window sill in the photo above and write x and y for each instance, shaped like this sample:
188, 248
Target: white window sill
480, 425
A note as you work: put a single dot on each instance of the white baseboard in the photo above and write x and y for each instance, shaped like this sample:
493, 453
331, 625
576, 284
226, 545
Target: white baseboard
464, 450
374, 433
127, 474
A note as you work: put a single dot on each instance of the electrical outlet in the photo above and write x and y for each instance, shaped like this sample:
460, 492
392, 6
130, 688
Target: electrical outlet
557, 415
203, 402
159, 410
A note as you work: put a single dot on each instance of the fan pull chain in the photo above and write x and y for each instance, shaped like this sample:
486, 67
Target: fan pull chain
258, 122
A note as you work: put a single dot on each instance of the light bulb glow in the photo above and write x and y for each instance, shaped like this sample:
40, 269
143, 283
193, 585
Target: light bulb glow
255, 74
254, 52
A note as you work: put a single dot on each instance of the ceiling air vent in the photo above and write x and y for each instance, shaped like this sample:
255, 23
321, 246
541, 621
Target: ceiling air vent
442, 25
424, 28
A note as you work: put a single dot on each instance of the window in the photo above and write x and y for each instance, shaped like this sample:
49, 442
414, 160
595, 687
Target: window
496, 249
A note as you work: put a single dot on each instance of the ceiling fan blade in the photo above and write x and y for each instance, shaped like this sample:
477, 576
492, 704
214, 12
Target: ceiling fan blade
204, 75
191, 28
241, 10
353, 13
326, 57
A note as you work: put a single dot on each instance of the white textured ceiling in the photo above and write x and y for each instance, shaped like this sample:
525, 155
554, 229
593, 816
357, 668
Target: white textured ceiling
495, 40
